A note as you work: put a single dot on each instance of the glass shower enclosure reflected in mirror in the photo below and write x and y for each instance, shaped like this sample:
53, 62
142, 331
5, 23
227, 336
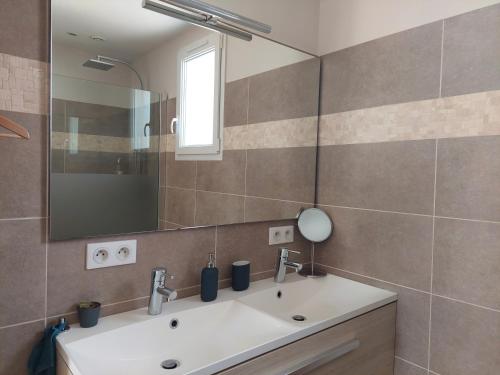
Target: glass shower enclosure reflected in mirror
104, 160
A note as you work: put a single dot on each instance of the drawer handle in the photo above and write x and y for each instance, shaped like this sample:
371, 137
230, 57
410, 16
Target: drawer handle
318, 360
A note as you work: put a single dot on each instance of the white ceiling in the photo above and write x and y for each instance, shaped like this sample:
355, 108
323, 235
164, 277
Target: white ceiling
129, 30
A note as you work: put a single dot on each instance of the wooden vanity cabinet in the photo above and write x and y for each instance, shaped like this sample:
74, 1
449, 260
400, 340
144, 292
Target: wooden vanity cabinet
361, 346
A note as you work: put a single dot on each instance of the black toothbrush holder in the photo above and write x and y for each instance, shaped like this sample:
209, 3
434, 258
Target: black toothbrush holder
240, 275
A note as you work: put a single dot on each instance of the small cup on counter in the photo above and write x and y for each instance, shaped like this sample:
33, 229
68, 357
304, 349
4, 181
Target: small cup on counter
88, 314
240, 275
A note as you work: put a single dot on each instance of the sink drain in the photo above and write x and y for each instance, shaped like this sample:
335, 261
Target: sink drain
174, 323
170, 364
299, 318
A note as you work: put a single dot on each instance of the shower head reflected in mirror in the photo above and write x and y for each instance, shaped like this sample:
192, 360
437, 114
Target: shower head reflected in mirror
98, 64
105, 63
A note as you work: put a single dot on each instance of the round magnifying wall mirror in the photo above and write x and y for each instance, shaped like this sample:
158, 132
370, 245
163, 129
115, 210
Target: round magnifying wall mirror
315, 225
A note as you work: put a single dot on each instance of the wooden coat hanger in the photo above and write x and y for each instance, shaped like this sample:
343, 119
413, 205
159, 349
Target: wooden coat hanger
18, 131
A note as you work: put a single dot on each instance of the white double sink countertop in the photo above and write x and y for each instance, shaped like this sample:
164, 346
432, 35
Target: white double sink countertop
211, 337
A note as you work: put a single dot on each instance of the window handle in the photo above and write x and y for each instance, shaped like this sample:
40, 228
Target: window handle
172, 129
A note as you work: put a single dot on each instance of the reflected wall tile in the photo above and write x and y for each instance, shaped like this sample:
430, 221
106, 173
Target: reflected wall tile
180, 206
236, 103
218, 209
260, 209
283, 174
285, 93
24, 169
180, 173
162, 202
22, 270
224, 176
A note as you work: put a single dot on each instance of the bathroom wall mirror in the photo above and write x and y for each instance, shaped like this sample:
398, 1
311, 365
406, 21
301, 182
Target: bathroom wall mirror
159, 124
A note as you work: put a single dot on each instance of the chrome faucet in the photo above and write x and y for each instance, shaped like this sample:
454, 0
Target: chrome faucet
159, 290
282, 263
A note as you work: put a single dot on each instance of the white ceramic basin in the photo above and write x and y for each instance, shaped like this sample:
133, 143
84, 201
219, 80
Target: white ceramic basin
318, 300
214, 336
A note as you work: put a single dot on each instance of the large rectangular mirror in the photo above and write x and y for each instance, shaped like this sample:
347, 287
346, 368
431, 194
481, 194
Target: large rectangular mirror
159, 124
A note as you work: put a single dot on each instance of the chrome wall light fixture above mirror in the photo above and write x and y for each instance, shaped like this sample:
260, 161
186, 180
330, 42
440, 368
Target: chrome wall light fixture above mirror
209, 16
245, 110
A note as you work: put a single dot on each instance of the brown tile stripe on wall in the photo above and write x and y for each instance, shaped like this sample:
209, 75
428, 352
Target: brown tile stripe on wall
408, 169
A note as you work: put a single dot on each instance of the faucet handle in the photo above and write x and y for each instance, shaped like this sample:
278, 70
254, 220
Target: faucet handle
284, 251
169, 276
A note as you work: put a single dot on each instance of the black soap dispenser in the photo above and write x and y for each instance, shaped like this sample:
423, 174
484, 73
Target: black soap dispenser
209, 280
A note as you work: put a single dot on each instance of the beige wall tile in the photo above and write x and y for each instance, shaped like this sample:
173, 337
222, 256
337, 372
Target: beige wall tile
467, 261
459, 116
25, 29
15, 347
391, 176
388, 246
464, 339
402, 67
22, 271
468, 179
471, 53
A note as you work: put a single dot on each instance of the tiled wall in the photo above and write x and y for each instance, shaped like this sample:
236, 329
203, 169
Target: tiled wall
40, 280
267, 171
409, 170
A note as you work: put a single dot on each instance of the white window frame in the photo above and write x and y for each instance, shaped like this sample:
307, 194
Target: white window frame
205, 152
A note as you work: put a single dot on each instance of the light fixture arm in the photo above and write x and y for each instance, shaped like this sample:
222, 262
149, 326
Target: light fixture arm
208, 16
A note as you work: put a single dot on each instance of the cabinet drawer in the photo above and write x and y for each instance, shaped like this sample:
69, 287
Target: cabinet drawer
360, 346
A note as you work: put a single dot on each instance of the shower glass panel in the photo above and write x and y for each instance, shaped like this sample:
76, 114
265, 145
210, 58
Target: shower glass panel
104, 161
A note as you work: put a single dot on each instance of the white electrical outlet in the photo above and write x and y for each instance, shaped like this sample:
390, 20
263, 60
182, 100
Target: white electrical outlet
109, 254
279, 235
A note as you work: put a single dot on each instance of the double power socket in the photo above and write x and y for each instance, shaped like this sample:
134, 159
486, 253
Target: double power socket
109, 254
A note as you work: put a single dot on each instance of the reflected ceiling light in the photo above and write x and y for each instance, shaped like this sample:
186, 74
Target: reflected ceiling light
206, 15
97, 38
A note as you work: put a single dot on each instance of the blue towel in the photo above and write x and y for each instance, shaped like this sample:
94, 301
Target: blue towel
42, 360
